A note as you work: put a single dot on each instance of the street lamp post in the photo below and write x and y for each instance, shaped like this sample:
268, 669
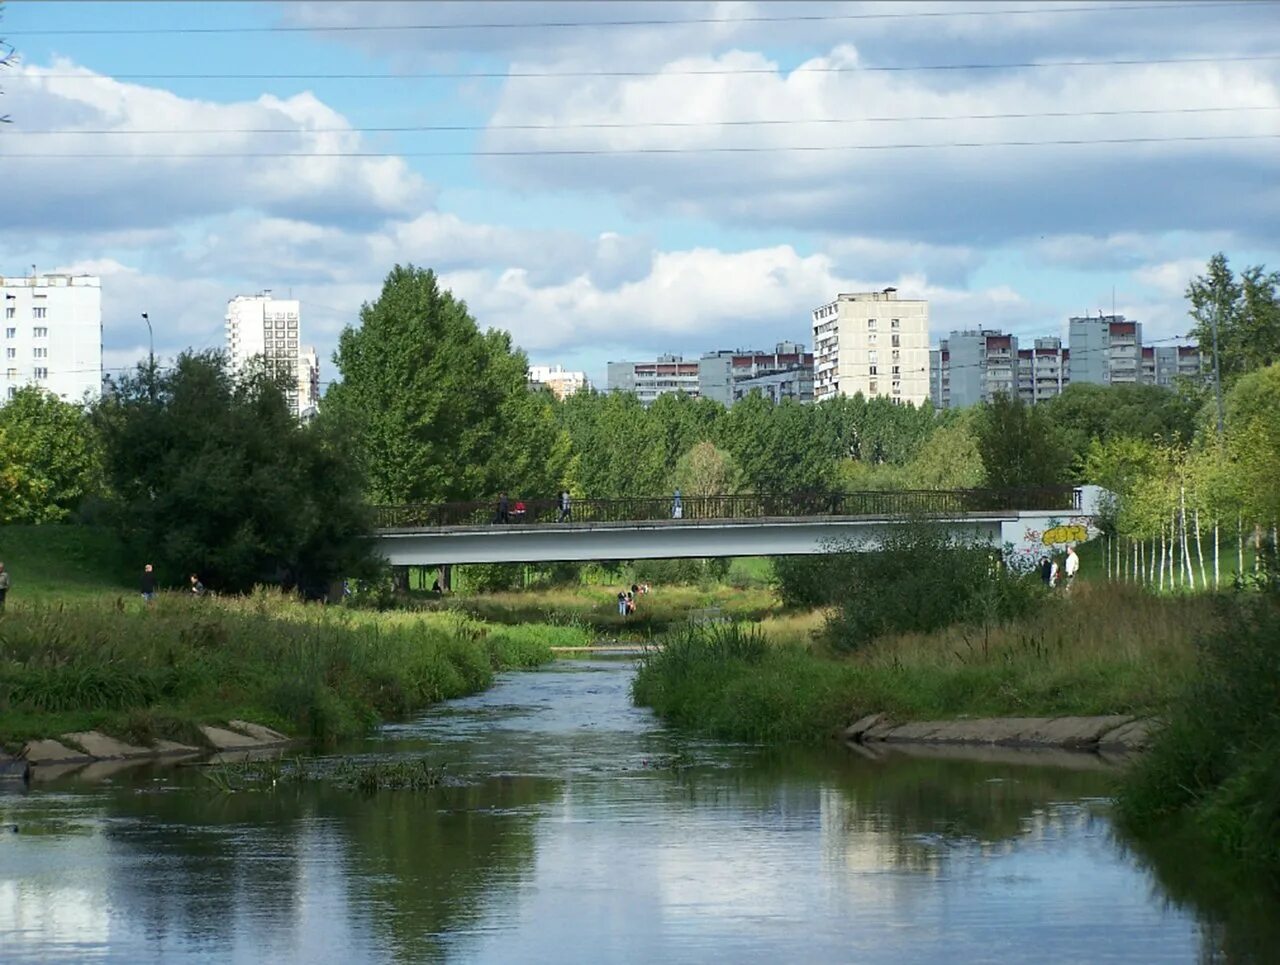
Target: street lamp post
151, 358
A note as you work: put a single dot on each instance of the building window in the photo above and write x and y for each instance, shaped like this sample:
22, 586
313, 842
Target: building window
39, 353
871, 337
871, 324
896, 355
11, 373
10, 312
39, 311
12, 391
897, 388
42, 373
10, 333
872, 371
11, 353
40, 332
896, 339
872, 387
897, 370
895, 323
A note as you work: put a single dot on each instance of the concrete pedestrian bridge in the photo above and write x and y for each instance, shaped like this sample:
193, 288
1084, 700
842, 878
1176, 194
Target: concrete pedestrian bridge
1024, 523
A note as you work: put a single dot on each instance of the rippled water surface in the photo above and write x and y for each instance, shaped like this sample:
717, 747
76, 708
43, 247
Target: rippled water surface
575, 828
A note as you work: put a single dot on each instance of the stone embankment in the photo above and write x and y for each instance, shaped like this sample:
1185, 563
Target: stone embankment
89, 747
1108, 733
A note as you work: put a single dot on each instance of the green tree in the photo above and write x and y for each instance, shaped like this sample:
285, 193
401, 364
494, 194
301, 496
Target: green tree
1020, 446
707, 470
212, 474
440, 409
50, 458
1248, 314
949, 458
1086, 413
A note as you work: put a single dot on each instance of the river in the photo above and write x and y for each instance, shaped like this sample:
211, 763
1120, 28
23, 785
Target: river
575, 828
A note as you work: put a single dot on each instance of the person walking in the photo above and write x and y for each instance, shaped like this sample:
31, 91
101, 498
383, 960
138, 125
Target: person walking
566, 514
197, 588
677, 506
1072, 566
148, 584
504, 510
622, 603
1046, 570
1053, 574
4, 586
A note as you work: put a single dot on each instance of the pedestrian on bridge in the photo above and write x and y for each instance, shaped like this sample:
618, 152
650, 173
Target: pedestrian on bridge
566, 514
677, 506
503, 515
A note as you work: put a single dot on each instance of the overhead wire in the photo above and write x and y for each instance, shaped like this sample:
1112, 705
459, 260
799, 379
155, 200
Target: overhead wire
644, 125
641, 22
664, 72
640, 151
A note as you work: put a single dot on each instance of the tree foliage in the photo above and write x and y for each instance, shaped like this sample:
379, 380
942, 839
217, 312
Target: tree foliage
440, 408
48, 458
1020, 446
212, 474
1248, 314
1086, 413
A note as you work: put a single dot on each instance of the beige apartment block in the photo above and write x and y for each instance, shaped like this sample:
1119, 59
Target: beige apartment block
874, 343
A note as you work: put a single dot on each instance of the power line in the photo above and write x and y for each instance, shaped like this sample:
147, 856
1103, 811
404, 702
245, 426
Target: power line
622, 152
637, 125
702, 72
645, 22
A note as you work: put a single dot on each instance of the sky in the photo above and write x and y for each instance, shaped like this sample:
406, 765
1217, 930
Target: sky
617, 180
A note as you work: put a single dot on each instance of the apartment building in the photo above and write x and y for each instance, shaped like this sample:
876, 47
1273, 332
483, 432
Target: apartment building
1043, 371
1105, 350
1166, 364
52, 335
969, 367
731, 374
872, 343
267, 327
648, 380
561, 383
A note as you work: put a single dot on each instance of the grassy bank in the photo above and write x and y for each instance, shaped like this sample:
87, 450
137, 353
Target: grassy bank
1104, 649
319, 673
1213, 776
596, 607
64, 563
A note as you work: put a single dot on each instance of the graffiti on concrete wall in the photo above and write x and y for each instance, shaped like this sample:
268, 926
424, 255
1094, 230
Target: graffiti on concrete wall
1028, 541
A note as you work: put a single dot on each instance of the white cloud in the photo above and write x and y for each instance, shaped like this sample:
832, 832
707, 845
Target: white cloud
1171, 277
150, 184
945, 195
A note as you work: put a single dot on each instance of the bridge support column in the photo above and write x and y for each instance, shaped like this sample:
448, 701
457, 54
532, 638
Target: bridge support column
446, 578
400, 579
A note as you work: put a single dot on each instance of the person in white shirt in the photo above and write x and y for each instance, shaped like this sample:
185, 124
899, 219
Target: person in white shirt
1073, 565
1053, 574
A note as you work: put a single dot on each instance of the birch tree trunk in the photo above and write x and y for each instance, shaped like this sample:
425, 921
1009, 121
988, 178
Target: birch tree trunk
1239, 546
1204, 576
1189, 576
1217, 569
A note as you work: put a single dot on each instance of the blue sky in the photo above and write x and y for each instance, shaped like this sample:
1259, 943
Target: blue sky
616, 254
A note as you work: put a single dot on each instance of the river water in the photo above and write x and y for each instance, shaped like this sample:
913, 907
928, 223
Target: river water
575, 828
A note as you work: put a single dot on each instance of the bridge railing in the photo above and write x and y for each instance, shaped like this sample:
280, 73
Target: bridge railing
730, 507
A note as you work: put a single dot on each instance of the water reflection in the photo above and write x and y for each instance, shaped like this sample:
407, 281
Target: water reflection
579, 830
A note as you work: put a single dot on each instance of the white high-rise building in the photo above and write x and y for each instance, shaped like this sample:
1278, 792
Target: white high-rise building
561, 382
52, 335
309, 383
873, 343
259, 325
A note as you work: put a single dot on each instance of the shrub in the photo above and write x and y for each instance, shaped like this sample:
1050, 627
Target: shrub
1217, 760
922, 579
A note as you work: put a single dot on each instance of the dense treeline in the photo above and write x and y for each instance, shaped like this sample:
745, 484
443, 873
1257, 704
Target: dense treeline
206, 470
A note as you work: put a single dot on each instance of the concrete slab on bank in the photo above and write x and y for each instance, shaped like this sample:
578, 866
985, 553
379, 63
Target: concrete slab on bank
1112, 732
91, 747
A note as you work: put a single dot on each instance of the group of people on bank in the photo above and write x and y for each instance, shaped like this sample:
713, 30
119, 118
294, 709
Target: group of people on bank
1054, 575
627, 599
148, 584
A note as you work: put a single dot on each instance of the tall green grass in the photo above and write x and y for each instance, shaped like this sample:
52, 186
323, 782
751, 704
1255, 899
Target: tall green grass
1101, 650
318, 672
1214, 770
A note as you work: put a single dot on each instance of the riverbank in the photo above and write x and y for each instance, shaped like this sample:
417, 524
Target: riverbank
1104, 650
320, 674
